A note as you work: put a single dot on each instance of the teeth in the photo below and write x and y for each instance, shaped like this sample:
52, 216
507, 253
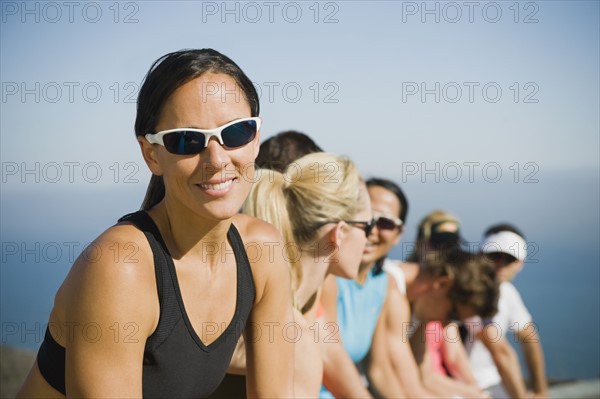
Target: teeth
218, 186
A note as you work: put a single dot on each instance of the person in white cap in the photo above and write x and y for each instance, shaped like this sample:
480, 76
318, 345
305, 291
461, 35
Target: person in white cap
494, 362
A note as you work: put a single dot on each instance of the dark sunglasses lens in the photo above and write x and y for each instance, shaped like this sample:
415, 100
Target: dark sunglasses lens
184, 143
385, 224
501, 257
369, 228
239, 134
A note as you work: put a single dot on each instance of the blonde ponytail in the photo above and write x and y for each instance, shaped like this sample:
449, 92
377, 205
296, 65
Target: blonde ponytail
315, 189
267, 201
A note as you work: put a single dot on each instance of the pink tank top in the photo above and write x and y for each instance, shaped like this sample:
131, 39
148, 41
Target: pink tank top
434, 335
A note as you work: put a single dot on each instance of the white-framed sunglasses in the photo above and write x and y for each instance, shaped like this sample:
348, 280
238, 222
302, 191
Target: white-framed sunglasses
187, 141
386, 222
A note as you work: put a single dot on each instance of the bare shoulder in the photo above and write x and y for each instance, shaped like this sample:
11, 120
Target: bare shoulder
411, 270
392, 285
329, 286
396, 309
120, 254
266, 252
113, 278
391, 296
256, 230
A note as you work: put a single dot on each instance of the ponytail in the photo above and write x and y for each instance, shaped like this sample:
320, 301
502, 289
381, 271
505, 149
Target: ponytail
271, 186
315, 189
154, 193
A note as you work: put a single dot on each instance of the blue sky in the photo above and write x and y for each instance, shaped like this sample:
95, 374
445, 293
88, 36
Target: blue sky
360, 70
434, 94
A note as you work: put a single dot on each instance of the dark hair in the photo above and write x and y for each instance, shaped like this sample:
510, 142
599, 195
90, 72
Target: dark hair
397, 191
497, 228
277, 152
167, 74
473, 279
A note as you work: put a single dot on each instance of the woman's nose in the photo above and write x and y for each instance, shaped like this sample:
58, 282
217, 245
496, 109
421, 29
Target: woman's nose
214, 158
215, 153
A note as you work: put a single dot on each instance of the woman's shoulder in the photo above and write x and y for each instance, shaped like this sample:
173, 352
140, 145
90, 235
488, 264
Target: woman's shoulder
121, 248
265, 249
410, 270
116, 267
256, 230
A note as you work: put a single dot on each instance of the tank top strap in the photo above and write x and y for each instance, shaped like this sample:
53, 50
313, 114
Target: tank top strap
238, 246
245, 280
167, 296
144, 222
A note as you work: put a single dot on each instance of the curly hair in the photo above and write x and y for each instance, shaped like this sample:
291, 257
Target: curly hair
473, 279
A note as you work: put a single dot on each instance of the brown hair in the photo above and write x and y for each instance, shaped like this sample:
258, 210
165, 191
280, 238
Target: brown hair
473, 279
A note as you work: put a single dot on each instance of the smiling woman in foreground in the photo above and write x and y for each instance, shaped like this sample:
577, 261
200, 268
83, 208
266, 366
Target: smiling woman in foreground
157, 310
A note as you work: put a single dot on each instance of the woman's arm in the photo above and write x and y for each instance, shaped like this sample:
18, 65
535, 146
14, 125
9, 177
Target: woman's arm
402, 358
269, 334
340, 375
382, 375
455, 355
105, 310
534, 358
444, 386
506, 361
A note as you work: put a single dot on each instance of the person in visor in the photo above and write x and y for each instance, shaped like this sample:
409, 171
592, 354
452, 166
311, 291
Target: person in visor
494, 362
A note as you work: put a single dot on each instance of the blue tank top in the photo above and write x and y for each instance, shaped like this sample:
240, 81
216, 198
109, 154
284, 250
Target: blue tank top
358, 308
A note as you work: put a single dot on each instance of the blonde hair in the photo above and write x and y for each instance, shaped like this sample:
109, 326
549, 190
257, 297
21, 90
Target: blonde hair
425, 230
317, 188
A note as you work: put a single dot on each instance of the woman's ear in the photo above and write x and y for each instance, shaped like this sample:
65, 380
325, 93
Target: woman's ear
338, 233
149, 155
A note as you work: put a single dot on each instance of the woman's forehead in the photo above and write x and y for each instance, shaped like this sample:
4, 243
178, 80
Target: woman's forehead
384, 201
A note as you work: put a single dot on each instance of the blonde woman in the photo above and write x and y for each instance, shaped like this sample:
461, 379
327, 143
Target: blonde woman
321, 207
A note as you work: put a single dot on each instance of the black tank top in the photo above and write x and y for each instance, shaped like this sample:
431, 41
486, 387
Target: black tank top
176, 362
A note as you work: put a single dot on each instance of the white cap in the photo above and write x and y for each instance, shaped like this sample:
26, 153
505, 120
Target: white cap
506, 242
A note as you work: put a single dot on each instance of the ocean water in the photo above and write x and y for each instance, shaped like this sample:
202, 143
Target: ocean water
42, 234
561, 292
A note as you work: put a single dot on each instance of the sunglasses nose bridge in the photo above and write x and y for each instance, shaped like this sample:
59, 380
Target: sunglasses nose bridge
209, 135
215, 153
370, 228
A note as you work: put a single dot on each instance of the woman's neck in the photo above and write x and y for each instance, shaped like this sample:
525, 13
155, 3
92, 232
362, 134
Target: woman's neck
187, 233
363, 272
314, 271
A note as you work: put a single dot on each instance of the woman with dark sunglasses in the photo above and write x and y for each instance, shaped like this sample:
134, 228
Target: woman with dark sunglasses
158, 310
321, 207
370, 311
